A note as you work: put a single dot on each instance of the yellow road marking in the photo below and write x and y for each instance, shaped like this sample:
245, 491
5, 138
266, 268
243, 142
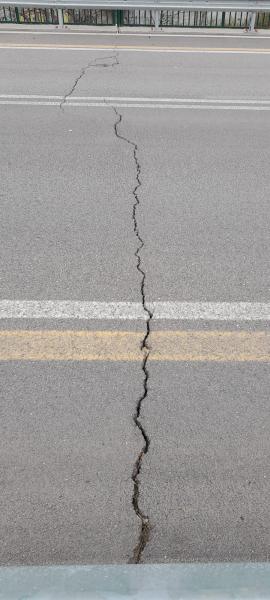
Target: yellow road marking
125, 345
115, 46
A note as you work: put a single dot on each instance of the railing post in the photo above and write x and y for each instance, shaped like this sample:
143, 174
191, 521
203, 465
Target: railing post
252, 22
117, 18
60, 17
17, 14
157, 18
223, 19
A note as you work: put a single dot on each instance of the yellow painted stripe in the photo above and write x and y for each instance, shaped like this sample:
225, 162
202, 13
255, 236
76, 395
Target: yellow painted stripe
116, 46
125, 345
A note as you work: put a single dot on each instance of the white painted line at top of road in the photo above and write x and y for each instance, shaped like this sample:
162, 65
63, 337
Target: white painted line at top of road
105, 99
136, 102
190, 311
31, 96
153, 50
31, 103
140, 34
152, 105
170, 100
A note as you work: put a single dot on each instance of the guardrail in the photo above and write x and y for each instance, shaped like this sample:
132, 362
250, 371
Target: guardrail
152, 13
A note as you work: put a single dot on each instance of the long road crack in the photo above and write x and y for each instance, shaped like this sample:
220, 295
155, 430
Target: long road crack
104, 62
145, 525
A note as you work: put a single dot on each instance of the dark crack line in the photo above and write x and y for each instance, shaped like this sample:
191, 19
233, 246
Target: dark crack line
92, 64
145, 521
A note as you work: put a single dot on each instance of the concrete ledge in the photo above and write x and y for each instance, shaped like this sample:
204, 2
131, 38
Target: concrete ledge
137, 582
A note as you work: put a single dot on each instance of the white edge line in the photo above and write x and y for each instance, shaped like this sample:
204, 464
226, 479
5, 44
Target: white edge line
150, 50
28, 103
172, 100
104, 99
32, 96
189, 311
241, 36
169, 106
134, 105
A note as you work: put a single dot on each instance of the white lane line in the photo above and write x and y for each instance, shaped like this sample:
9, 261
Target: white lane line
106, 104
242, 36
105, 99
136, 102
170, 100
30, 96
154, 50
193, 311
178, 106
31, 103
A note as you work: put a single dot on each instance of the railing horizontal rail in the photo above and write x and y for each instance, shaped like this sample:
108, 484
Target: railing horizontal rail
240, 5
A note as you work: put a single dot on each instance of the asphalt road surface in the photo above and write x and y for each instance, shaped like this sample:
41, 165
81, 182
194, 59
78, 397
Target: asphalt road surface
134, 308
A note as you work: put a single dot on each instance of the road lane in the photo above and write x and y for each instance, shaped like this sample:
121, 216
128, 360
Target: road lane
149, 40
205, 479
139, 74
210, 173
223, 200
60, 240
67, 449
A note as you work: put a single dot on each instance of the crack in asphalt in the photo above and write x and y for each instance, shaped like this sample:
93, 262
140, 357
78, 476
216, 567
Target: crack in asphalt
145, 525
145, 348
92, 64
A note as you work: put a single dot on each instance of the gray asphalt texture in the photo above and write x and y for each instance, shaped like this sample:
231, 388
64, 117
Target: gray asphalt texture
67, 446
68, 441
206, 478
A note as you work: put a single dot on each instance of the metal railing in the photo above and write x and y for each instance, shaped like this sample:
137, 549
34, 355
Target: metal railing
20, 14
215, 19
73, 16
150, 13
135, 18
